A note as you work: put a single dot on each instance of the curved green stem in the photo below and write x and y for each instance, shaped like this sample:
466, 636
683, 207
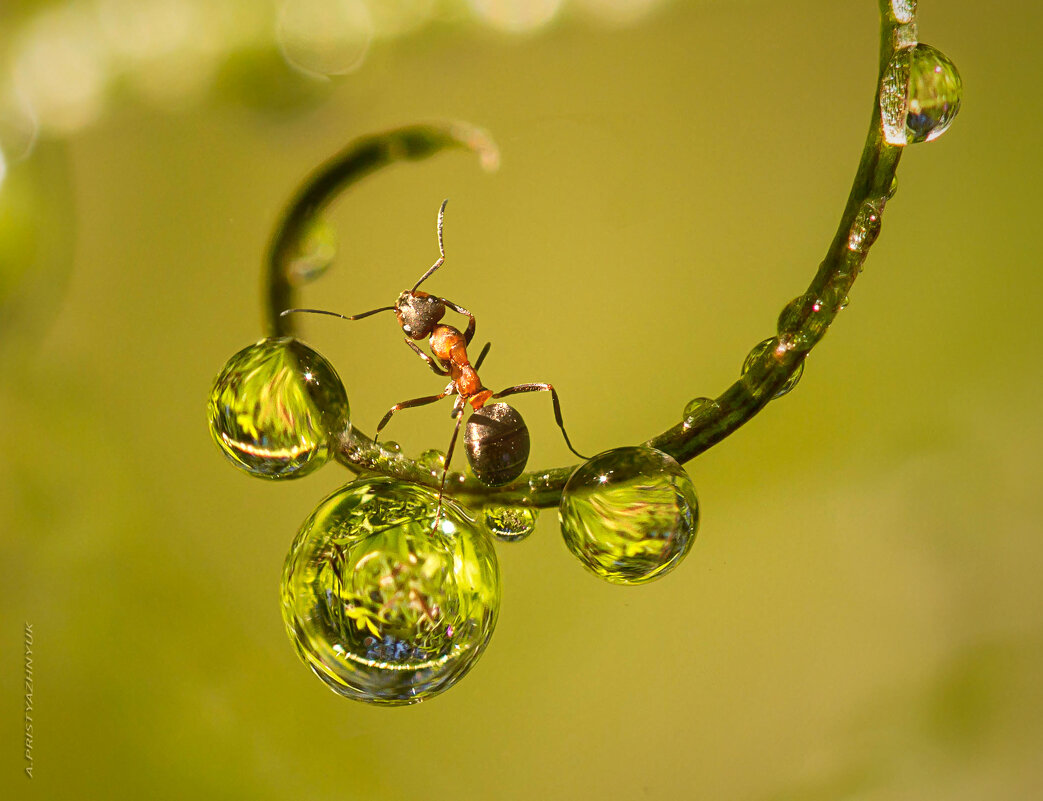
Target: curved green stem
356, 161
802, 324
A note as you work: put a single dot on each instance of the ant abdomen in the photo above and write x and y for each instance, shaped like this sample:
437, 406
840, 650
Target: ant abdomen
497, 444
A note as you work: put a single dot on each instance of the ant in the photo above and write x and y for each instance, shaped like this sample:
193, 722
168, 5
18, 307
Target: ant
496, 438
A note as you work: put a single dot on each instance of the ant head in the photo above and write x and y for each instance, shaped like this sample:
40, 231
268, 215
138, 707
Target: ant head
418, 313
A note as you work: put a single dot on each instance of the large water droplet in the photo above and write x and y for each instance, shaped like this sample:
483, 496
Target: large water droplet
275, 407
381, 607
629, 515
920, 95
777, 345
510, 523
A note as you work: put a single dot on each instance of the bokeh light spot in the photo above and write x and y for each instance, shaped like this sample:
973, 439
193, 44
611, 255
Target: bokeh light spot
516, 16
324, 37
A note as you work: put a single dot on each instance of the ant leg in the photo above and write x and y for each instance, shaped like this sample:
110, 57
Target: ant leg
435, 367
482, 355
554, 399
458, 413
409, 404
469, 333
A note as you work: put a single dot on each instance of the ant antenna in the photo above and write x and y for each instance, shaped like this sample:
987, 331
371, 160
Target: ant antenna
334, 314
441, 249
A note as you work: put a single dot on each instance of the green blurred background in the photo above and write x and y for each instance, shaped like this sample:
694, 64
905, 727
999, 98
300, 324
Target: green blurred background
862, 614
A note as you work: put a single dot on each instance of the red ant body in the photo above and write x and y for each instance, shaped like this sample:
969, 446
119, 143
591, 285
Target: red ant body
497, 440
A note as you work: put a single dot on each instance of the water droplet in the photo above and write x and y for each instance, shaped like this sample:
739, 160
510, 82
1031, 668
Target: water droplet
779, 347
698, 410
629, 515
920, 95
865, 228
381, 607
510, 523
392, 446
315, 251
275, 407
805, 320
904, 10
433, 460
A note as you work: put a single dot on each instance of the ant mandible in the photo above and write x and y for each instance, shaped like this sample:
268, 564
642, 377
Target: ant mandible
496, 438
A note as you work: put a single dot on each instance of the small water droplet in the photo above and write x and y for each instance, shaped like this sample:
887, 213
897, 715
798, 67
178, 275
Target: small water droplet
906, 36
315, 252
780, 348
805, 320
698, 410
275, 409
904, 10
865, 228
433, 460
510, 523
920, 96
629, 515
384, 608
392, 446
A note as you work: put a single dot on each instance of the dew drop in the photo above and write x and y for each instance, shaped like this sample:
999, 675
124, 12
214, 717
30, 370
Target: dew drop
275, 407
315, 251
433, 460
698, 410
629, 515
920, 95
510, 523
382, 607
865, 228
779, 347
904, 10
805, 319
392, 446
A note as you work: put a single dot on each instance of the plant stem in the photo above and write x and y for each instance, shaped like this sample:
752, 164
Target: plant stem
802, 324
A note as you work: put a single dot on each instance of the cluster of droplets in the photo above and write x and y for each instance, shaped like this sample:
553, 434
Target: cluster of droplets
388, 595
